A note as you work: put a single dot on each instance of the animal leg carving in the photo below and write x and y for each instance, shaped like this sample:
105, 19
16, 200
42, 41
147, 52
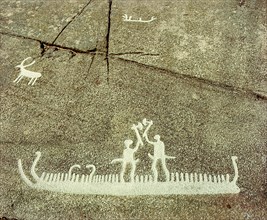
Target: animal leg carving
30, 81
34, 81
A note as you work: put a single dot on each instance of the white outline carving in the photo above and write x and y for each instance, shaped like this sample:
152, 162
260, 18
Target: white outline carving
128, 153
129, 19
114, 184
27, 73
159, 152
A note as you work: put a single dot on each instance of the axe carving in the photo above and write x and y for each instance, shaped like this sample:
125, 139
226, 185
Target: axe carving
137, 127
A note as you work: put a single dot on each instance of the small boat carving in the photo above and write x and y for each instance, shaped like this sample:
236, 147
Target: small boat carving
114, 184
129, 19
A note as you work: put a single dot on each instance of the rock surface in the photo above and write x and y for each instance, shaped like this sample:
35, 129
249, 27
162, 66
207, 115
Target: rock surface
198, 71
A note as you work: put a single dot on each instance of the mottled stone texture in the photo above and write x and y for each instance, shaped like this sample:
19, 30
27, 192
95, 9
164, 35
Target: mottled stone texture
215, 40
198, 71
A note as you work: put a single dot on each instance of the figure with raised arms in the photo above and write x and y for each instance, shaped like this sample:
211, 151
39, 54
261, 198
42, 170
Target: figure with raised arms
159, 152
128, 154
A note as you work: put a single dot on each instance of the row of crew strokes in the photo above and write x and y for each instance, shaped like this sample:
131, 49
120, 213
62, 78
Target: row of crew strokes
35, 75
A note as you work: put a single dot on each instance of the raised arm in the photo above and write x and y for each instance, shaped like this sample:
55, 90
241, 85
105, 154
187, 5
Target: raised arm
138, 143
139, 139
136, 146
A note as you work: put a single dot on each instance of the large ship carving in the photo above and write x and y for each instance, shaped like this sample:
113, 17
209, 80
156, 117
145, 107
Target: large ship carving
115, 184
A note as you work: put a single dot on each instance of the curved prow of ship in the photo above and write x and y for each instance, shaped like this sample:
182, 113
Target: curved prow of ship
93, 171
234, 159
22, 174
71, 168
33, 173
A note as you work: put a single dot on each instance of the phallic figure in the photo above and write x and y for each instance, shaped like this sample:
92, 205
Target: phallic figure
159, 153
128, 154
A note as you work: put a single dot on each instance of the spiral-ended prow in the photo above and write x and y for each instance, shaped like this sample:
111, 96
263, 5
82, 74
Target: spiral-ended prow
33, 173
71, 168
93, 171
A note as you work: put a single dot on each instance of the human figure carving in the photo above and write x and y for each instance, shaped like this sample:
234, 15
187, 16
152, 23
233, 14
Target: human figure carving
159, 152
128, 154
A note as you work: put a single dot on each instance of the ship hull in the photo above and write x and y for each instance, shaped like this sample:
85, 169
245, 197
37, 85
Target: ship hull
124, 189
179, 184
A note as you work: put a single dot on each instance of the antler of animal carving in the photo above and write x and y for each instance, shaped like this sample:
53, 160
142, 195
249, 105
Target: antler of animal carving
22, 63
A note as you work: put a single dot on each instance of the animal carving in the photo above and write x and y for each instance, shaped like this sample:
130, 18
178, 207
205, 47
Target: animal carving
27, 73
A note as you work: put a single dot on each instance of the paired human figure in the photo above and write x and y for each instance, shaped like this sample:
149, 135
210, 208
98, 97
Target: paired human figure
128, 154
159, 153
128, 158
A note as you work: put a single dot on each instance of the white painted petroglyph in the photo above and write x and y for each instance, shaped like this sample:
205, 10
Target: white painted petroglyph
27, 73
159, 152
115, 184
128, 153
129, 19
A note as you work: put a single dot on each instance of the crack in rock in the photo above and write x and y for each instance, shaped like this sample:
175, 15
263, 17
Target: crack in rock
245, 92
5, 218
44, 45
242, 2
71, 20
135, 53
107, 38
